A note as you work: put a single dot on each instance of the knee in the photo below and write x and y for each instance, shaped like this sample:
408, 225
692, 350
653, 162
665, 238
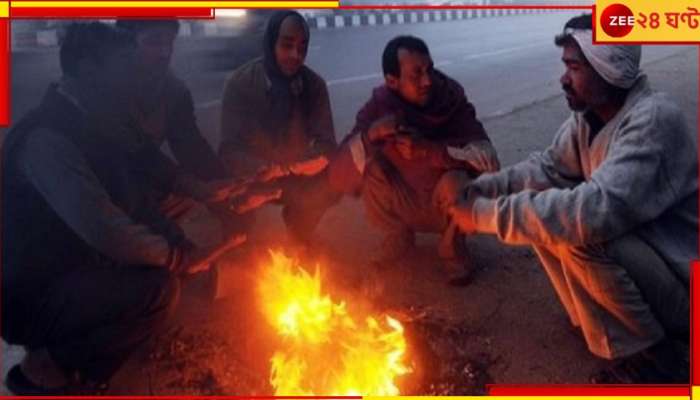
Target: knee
584, 253
375, 174
620, 249
376, 183
587, 263
449, 188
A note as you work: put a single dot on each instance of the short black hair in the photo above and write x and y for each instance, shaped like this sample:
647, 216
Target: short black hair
390, 57
92, 40
137, 26
581, 22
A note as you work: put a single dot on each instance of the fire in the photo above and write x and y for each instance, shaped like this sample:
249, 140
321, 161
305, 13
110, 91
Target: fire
326, 350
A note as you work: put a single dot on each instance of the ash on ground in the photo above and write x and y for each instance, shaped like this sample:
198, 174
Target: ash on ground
444, 359
200, 362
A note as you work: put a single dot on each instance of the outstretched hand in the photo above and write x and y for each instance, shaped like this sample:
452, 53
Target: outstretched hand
461, 212
479, 155
221, 190
254, 198
196, 259
309, 167
383, 128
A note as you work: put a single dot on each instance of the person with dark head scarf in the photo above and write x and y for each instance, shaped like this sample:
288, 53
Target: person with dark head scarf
276, 118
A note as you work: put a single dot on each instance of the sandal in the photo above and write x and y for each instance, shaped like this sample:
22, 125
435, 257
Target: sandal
636, 369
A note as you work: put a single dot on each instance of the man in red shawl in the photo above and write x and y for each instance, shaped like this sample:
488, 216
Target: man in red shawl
414, 139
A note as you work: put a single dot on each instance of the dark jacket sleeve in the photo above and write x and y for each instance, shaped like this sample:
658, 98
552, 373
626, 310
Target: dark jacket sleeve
64, 178
322, 131
189, 147
237, 124
465, 128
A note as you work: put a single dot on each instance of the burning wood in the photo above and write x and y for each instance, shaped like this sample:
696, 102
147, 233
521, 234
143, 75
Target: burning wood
324, 348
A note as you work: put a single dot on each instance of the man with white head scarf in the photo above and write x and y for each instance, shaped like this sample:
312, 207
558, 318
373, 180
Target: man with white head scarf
610, 208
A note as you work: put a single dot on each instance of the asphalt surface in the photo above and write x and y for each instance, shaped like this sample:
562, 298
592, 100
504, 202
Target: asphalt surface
504, 63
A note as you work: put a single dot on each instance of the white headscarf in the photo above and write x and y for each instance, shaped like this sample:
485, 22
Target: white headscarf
617, 64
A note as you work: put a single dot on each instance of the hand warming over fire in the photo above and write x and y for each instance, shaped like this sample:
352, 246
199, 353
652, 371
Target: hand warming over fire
271, 172
193, 259
462, 212
383, 129
309, 167
480, 155
254, 198
221, 190
214, 191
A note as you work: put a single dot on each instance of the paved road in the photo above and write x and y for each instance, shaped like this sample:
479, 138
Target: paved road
504, 63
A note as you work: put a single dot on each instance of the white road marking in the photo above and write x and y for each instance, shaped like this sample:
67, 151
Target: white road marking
443, 63
360, 78
503, 51
352, 79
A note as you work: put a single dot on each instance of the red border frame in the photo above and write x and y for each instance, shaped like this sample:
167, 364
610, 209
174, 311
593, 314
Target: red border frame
589, 390
595, 24
500, 390
5, 71
108, 12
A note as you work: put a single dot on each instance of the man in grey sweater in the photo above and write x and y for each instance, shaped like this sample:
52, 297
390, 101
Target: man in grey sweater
610, 208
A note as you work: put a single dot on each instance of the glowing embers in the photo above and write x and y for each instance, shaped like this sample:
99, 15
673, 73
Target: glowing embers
325, 350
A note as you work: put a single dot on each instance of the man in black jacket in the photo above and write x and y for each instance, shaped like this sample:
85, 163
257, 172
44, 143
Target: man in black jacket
87, 275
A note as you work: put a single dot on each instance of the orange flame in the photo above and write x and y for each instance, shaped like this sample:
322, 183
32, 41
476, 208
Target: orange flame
326, 351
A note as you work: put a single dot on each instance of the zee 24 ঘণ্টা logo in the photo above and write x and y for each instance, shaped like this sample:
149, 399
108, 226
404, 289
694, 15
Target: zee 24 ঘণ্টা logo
618, 20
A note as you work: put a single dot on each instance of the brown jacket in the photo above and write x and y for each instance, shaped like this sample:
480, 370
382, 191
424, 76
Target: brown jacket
253, 136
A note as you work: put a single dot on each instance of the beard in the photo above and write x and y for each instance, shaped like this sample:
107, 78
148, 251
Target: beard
573, 99
597, 94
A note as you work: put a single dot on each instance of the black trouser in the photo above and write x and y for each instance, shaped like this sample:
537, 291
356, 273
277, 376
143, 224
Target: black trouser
91, 319
305, 199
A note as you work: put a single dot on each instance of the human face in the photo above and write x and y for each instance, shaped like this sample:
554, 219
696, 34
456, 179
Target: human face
415, 81
114, 78
155, 49
584, 88
291, 45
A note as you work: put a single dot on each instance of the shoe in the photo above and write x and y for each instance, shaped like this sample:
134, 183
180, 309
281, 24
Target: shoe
20, 385
459, 272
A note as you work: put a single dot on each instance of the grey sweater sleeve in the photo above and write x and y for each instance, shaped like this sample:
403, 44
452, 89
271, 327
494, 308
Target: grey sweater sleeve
632, 186
558, 166
57, 169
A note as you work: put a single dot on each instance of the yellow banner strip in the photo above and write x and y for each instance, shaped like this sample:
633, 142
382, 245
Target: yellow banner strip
4, 9
175, 4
